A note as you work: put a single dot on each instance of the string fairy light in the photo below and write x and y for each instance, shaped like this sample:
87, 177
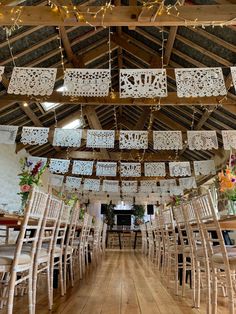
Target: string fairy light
61, 49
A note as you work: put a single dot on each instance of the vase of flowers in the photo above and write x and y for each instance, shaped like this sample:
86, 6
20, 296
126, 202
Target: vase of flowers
29, 177
227, 184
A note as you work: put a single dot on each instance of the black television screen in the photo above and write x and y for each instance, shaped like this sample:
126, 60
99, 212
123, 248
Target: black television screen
150, 209
124, 220
103, 209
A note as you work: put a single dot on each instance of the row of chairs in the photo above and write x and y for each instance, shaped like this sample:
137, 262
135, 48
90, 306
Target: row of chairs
188, 240
48, 240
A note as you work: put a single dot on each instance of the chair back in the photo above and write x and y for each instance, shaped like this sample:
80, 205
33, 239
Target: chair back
104, 236
31, 224
70, 237
178, 213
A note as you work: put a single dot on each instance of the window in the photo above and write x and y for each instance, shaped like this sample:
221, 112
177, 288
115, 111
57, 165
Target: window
51, 105
78, 123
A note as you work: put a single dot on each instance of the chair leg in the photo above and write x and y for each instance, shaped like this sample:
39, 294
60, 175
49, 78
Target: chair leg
71, 271
198, 283
49, 286
193, 276
214, 292
184, 275
11, 293
61, 276
65, 272
32, 305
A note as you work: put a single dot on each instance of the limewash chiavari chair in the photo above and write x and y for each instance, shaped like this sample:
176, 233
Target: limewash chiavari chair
104, 237
95, 242
171, 248
86, 240
14, 259
143, 229
44, 246
150, 241
69, 245
222, 258
184, 244
159, 245
81, 248
58, 249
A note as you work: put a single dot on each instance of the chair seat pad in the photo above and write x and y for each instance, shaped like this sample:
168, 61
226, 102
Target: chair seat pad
231, 253
7, 256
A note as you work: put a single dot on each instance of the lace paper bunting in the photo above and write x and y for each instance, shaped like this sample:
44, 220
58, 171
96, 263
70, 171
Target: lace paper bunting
110, 186
167, 183
147, 186
143, 83
106, 169
200, 82
32, 81
167, 140
73, 182
202, 140
204, 167
130, 169
32, 161
87, 82
59, 165
56, 180
176, 190
8, 134
34, 135
154, 169
233, 73
180, 169
67, 137
100, 138
83, 167
229, 139
92, 184
129, 186
188, 183
133, 139
1, 72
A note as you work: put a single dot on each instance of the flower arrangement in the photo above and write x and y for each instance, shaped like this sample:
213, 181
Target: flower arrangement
29, 177
227, 179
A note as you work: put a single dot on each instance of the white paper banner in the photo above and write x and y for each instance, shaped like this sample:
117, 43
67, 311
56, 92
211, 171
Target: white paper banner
188, 183
229, 139
92, 184
67, 137
154, 169
83, 167
133, 139
59, 165
8, 134
110, 186
73, 182
34, 135
180, 169
56, 180
202, 140
129, 186
167, 140
108, 169
204, 167
100, 138
130, 169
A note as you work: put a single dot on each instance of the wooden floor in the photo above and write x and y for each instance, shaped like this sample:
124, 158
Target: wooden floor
124, 283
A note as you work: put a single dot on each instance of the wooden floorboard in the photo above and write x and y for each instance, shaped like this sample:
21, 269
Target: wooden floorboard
123, 283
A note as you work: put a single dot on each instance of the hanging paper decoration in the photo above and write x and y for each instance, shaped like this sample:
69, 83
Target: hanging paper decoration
229, 139
154, 169
176, 190
83, 167
233, 73
202, 140
67, 137
110, 186
92, 184
130, 169
147, 83
1, 72
32, 81
167, 183
147, 186
180, 169
59, 165
167, 140
8, 133
200, 82
106, 169
133, 139
204, 167
100, 138
87, 82
188, 183
34, 135
56, 180
129, 186
73, 182
32, 161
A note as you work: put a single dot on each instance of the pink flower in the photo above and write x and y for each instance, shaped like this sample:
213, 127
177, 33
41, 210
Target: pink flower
25, 188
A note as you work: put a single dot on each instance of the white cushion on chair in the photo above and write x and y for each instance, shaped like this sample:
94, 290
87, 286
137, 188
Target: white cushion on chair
7, 256
231, 253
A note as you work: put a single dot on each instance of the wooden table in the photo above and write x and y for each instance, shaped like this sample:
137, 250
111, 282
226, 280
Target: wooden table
122, 231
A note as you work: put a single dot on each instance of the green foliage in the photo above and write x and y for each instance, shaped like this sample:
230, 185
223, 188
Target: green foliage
138, 211
110, 215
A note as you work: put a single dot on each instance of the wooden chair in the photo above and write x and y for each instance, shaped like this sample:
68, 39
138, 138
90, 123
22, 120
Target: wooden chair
58, 249
69, 245
150, 241
44, 246
159, 243
222, 258
104, 237
17, 262
95, 249
143, 229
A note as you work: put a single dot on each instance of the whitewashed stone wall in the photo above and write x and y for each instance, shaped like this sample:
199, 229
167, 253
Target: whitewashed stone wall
9, 181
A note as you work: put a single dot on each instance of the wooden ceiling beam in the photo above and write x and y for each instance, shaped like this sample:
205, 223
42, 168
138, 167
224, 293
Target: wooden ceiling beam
170, 100
121, 16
